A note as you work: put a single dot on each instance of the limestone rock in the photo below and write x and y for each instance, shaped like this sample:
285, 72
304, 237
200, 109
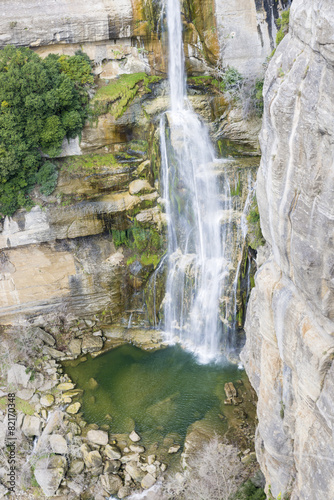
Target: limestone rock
134, 471
31, 426
93, 459
49, 472
98, 437
123, 492
91, 344
148, 481
112, 452
140, 186
137, 449
75, 347
54, 353
289, 324
58, 444
47, 400
44, 336
111, 466
76, 467
18, 375
111, 483
73, 408
65, 386
134, 437
174, 449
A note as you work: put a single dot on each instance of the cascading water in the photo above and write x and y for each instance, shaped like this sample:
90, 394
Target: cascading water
199, 216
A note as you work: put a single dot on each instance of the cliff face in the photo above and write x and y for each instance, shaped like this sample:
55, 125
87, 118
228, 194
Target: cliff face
290, 344
114, 32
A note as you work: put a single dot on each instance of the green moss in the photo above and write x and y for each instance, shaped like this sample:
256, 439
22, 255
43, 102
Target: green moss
88, 163
119, 93
255, 237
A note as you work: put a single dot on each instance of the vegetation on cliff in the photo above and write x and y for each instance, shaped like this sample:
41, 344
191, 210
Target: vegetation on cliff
41, 102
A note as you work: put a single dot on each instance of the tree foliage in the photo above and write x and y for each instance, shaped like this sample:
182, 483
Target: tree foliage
41, 102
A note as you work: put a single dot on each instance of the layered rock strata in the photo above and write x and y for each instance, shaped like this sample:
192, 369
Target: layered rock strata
290, 344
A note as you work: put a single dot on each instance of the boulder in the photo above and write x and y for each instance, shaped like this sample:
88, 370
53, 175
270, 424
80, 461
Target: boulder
112, 466
18, 375
58, 444
134, 471
174, 449
54, 353
91, 344
76, 467
44, 336
148, 481
65, 386
93, 459
31, 426
25, 394
49, 472
111, 483
137, 449
123, 492
75, 347
98, 437
47, 400
140, 186
73, 408
134, 437
112, 452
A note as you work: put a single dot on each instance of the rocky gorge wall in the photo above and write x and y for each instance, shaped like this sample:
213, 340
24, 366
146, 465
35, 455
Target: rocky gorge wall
290, 320
124, 36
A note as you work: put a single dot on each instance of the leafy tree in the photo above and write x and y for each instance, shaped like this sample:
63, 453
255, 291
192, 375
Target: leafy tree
41, 102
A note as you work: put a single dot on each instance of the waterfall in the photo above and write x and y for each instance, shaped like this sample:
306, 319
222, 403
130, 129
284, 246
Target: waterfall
199, 216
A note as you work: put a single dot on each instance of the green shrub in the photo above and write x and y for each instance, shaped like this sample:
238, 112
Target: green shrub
41, 102
249, 491
231, 79
47, 177
283, 24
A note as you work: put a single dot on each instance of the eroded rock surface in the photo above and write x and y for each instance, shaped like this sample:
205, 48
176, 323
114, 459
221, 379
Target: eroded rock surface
290, 343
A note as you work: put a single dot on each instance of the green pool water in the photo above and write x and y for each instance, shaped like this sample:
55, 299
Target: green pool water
158, 393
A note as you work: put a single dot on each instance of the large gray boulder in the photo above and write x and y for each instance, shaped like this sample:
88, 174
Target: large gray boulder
49, 472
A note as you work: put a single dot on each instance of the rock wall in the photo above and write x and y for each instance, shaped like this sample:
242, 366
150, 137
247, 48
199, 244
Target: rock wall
290, 320
128, 34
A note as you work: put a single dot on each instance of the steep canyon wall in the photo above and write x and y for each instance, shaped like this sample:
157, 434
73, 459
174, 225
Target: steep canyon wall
290, 319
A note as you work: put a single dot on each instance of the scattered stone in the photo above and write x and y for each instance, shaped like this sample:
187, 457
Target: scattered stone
136, 448
93, 459
112, 452
98, 333
73, 408
163, 467
111, 466
89, 323
58, 444
76, 467
72, 393
54, 353
31, 426
150, 459
91, 344
47, 400
123, 492
67, 399
44, 414
134, 471
230, 390
126, 450
18, 375
151, 469
174, 449
98, 437
148, 481
134, 437
92, 383
75, 347
49, 472
44, 336
111, 483
76, 487
65, 386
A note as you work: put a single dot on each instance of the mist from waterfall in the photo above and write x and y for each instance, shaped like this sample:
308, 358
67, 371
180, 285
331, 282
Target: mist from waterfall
199, 216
